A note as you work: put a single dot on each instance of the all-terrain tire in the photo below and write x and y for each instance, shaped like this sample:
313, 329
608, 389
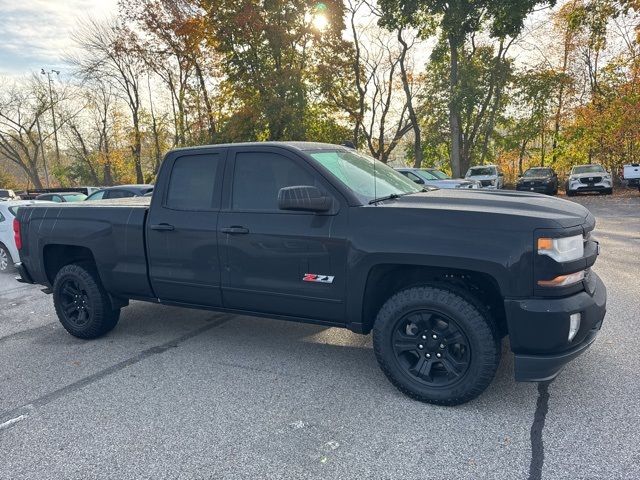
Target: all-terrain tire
81, 302
479, 344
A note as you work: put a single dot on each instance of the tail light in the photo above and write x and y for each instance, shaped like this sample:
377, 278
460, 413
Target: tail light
17, 235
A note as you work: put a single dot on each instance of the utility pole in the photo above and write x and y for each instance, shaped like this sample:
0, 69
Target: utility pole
44, 160
53, 115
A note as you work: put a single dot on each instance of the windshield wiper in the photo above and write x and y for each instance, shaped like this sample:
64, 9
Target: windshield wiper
393, 196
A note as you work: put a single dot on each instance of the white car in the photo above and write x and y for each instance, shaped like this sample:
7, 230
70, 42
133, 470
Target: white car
631, 173
8, 250
589, 178
489, 176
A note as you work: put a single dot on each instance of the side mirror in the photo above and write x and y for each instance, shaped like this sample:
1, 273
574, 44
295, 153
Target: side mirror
419, 181
304, 198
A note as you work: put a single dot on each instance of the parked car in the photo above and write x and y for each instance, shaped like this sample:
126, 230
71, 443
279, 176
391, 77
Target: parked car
62, 197
33, 193
631, 173
589, 178
539, 179
433, 177
489, 176
319, 233
121, 191
6, 194
8, 250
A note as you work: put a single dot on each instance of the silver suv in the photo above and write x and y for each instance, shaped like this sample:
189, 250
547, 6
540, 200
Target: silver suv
489, 176
589, 178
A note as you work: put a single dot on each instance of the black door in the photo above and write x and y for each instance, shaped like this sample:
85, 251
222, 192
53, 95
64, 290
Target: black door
271, 257
182, 244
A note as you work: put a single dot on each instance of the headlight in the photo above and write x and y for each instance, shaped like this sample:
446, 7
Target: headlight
562, 249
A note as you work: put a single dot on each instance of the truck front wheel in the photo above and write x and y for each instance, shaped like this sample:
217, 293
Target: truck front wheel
435, 345
81, 302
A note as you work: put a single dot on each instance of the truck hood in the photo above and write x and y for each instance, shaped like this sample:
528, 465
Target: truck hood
501, 209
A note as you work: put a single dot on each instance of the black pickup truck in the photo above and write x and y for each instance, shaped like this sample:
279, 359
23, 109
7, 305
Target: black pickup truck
319, 233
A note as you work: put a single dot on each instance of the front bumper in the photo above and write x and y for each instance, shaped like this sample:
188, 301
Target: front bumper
548, 189
539, 330
578, 186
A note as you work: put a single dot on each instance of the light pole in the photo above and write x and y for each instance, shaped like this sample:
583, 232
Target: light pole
53, 115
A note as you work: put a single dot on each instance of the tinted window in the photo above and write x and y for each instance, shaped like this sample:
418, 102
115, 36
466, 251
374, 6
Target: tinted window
1, 217
413, 177
97, 196
192, 183
119, 194
258, 177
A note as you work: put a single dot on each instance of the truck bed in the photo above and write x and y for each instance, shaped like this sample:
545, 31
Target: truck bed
112, 231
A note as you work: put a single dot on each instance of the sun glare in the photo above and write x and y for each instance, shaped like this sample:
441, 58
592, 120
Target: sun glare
320, 22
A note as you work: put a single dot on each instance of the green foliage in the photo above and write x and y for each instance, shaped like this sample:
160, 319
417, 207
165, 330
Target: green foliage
483, 75
274, 56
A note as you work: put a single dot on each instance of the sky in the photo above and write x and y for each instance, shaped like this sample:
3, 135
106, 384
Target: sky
35, 34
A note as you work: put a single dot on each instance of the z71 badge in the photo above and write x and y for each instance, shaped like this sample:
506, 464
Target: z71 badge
312, 277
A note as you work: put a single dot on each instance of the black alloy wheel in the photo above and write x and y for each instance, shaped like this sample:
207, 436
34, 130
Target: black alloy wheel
83, 306
75, 303
431, 348
437, 344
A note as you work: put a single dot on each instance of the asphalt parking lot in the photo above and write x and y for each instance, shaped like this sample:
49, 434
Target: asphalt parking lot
174, 393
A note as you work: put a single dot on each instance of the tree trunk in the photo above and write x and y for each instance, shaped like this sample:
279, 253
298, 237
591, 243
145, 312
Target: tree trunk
454, 111
137, 148
154, 126
207, 102
521, 155
417, 142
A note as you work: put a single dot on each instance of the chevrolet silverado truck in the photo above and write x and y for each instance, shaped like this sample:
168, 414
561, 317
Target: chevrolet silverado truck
320, 233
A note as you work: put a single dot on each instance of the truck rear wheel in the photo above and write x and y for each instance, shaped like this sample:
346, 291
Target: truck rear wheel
82, 303
436, 346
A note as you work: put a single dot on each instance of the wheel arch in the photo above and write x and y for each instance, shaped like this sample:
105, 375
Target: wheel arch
55, 256
386, 279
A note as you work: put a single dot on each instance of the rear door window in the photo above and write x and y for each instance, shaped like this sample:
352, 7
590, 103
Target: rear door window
192, 182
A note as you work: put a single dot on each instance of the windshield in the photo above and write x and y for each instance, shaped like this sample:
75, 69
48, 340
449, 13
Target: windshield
537, 172
355, 171
481, 171
588, 169
74, 197
438, 174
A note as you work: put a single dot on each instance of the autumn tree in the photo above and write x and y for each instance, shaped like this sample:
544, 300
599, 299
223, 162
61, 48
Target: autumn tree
107, 52
454, 22
172, 42
24, 113
270, 51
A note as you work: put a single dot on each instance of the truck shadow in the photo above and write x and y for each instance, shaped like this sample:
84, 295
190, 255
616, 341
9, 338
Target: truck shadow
324, 359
